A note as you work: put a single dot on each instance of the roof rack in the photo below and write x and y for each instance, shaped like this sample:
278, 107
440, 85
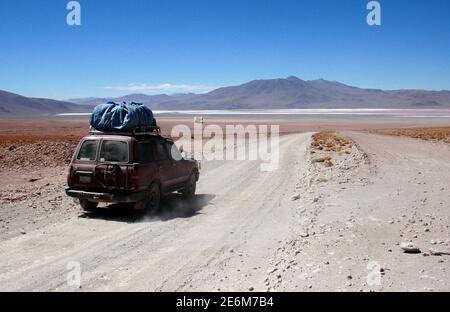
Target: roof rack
154, 131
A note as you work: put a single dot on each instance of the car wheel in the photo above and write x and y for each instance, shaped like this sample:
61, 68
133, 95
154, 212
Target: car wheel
88, 205
191, 186
154, 199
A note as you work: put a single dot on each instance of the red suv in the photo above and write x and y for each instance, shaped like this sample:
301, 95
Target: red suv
132, 169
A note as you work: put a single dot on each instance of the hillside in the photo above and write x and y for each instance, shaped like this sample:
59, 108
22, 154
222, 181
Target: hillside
293, 92
12, 105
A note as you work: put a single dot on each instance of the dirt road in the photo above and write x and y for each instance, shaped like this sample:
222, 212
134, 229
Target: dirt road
302, 227
241, 215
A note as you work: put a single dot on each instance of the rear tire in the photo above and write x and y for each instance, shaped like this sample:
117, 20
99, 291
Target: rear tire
154, 199
88, 206
190, 188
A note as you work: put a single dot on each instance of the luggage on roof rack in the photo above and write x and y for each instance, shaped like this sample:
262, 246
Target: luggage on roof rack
124, 117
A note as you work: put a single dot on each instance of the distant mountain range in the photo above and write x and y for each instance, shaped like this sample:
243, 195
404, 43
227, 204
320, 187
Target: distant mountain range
293, 92
136, 97
287, 93
12, 105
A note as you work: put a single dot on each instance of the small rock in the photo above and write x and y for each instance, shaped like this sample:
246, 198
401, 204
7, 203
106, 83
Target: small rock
251, 289
409, 248
295, 197
439, 253
23, 232
271, 270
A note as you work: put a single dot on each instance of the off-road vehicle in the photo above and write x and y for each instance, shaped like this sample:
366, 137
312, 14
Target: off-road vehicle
132, 168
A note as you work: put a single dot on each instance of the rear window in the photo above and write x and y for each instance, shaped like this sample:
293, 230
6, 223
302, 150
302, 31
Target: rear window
88, 151
114, 151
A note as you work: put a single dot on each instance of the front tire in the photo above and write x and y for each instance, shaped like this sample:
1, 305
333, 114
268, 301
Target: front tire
190, 188
88, 206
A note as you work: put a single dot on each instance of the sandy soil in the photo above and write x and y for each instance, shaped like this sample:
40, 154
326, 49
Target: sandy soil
306, 226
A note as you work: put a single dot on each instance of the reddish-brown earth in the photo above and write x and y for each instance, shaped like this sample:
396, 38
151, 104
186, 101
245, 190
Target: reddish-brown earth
427, 134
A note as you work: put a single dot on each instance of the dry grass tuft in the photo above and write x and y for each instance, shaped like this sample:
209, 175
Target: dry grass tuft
321, 160
428, 134
329, 141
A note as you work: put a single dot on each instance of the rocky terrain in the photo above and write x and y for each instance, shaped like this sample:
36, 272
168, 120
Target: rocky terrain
41, 154
368, 219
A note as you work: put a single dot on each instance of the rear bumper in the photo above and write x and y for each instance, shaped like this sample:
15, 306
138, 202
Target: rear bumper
106, 197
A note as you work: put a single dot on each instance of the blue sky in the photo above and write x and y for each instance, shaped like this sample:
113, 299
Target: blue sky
128, 46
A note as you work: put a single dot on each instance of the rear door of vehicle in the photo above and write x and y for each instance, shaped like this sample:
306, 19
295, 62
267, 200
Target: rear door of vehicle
166, 171
178, 166
111, 171
83, 167
147, 164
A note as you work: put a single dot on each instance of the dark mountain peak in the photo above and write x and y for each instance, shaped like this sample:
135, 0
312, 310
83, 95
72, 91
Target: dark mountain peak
290, 78
293, 78
329, 84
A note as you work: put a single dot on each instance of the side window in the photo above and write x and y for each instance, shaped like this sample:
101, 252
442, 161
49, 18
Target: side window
161, 151
173, 151
88, 151
146, 150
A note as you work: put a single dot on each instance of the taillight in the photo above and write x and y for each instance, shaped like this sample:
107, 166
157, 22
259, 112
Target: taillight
134, 177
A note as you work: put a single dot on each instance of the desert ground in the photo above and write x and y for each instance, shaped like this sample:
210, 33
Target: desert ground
349, 197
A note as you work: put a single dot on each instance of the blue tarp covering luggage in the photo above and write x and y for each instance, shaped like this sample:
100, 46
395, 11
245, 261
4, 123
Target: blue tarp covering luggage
121, 117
